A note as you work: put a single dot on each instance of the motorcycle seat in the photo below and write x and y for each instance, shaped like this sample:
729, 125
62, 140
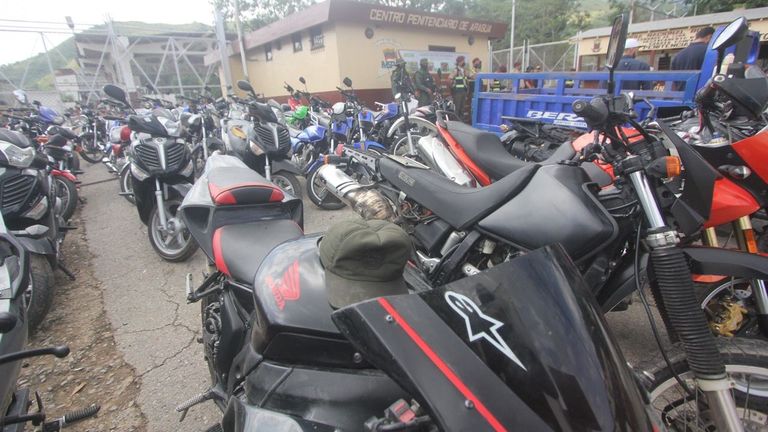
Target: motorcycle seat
241, 186
239, 249
15, 138
486, 149
458, 205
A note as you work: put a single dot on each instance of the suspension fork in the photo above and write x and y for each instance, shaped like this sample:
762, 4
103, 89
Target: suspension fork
407, 123
677, 296
745, 238
267, 168
205, 141
160, 202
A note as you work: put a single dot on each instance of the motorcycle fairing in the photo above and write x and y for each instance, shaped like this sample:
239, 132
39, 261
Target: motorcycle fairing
524, 343
312, 133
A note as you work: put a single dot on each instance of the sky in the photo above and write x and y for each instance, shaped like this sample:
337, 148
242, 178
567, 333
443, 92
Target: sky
18, 45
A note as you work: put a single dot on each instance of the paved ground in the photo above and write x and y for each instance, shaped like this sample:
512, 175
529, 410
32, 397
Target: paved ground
156, 330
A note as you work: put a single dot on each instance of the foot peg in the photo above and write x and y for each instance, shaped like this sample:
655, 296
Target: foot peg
202, 397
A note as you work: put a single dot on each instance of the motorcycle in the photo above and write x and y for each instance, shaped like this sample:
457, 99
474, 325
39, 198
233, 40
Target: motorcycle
279, 355
524, 211
161, 174
263, 142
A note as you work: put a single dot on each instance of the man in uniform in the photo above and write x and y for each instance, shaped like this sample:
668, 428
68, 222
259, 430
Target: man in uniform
424, 83
692, 57
401, 81
459, 82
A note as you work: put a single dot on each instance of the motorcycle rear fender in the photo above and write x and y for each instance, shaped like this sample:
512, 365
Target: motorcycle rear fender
284, 165
38, 246
66, 174
239, 417
397, 124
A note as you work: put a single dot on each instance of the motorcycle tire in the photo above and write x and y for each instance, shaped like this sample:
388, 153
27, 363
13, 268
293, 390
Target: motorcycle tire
74, 162
746, 363
90, 152
40, 292
66, 190
319, 195
205, 303
287, 182
188, 245
126, 183
400, 144
198, 162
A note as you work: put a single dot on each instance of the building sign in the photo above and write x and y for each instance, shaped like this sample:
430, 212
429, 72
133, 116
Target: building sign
430, 22
666, 39
445, 61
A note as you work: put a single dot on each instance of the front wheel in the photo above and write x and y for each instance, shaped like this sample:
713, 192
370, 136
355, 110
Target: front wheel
287, 182
66, 191
126, 183
40, 292
91, 152
401, 147
319, 195
746, 364
173, 242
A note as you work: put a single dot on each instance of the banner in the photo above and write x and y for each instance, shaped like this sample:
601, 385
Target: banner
444, 61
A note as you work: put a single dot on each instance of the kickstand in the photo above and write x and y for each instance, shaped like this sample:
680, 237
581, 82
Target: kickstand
69, 418
66, 271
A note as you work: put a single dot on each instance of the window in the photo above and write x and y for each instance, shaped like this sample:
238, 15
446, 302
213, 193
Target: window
316, 38
296, 42
441, 48
268, 52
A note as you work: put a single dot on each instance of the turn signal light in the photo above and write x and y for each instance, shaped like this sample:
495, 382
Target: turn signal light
673, 166
664, 167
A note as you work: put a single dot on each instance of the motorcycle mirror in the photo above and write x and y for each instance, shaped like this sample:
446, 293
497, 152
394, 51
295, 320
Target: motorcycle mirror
116, 93
246, 87
731, 34
302, 80
347, 82
21, 96
616, 47
397, 96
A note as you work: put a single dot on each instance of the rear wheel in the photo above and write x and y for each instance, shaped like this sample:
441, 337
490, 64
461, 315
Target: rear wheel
92, 152
319, 194
288, 183
40, 292
746, 364
66, 191
173, 242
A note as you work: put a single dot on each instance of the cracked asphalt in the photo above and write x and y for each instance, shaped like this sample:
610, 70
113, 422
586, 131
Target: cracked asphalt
156, 330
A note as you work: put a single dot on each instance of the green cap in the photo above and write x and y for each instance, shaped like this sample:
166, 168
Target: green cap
364, 259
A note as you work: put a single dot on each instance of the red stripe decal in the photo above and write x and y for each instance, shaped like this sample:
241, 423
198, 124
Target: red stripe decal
218, 254
276, 195
440, 364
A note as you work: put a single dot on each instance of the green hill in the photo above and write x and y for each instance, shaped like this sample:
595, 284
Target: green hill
39, 76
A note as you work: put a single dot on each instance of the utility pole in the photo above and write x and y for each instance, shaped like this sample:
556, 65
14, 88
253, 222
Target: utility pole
240, 39
512, 38
221, 38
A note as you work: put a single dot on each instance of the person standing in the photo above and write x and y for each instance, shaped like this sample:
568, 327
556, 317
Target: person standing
424, 83
628, 62
692, 57
401, 81
459, 83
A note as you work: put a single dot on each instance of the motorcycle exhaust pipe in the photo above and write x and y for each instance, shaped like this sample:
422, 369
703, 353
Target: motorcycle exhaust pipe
368, 203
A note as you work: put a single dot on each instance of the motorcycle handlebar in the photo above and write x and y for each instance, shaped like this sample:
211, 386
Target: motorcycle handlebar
116, 118
594, 112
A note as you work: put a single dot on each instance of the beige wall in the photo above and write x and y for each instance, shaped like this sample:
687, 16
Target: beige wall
361, 57
347, 52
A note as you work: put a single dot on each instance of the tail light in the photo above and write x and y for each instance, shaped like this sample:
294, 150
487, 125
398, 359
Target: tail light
125, 134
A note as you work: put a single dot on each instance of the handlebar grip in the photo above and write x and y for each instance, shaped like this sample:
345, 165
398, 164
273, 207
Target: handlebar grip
705, 93
594, 112
337, 160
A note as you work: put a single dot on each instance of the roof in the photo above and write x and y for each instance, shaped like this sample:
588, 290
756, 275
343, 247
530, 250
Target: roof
675, 23
358, 12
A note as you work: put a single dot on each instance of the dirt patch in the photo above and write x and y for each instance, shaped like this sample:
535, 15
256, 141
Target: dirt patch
95, 371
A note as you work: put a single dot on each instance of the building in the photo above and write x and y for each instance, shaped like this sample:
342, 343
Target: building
663, 39
340, 38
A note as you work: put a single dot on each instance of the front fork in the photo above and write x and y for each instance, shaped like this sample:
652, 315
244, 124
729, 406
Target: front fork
160, 202
683, 311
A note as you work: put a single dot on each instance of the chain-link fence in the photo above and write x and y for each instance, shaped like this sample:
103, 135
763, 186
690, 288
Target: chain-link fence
551, 56
46, 98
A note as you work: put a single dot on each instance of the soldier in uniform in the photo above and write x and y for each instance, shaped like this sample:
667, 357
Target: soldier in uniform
424, 83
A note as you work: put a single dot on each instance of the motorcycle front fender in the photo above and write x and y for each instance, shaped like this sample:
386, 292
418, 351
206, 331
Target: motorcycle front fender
284, 165
398, 124
66, 174
726, 262
38, 246
240, 417
178, 190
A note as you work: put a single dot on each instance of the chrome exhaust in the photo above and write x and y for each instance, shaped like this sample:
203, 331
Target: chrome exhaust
369, 203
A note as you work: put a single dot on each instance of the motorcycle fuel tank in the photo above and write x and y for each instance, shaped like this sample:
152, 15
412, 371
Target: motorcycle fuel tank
520, 347
440, 158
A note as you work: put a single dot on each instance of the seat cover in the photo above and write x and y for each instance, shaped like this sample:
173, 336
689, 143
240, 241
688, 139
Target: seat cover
15, 138
239, 249
240, 185
458, 205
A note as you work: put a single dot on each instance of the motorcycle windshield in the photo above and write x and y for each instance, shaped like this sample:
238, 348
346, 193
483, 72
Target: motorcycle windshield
522, 346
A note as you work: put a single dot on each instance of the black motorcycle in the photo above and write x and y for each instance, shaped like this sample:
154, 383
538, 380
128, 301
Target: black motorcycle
264, 142
162, 173
278, 354
460, 232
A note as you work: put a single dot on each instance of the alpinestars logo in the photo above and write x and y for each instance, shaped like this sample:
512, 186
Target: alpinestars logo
287, 288
480, 325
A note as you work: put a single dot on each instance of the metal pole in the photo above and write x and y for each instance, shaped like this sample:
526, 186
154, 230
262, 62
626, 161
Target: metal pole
240, 39
512, 38
50, 66
222, 42
176, 64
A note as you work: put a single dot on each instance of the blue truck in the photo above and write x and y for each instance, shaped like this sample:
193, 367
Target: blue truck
546, 97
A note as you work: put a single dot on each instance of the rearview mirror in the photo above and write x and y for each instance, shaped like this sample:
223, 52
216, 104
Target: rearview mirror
731, 34
21, 96
616, 42
347, 82
116, 93
302, 80
245, 86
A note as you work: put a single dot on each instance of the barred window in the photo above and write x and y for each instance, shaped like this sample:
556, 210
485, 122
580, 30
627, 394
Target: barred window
296, 42
268, 52
316, 37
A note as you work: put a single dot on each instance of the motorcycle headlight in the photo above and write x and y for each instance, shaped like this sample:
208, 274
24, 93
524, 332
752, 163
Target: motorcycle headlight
17, 156
38, 210
256, 149
187, 171
139, 173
